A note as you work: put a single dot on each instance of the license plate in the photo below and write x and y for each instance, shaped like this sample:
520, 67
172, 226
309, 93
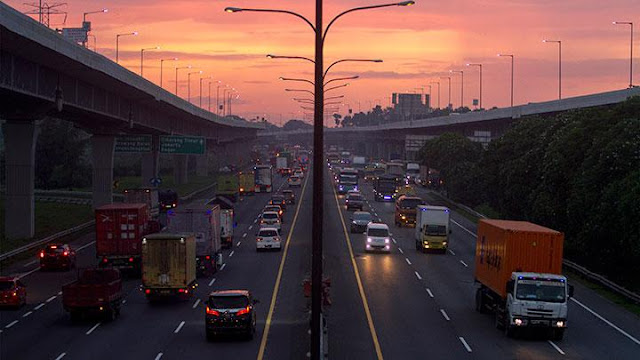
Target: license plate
165, 292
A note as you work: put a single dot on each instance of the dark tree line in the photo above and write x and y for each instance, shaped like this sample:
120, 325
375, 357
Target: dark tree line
577, 172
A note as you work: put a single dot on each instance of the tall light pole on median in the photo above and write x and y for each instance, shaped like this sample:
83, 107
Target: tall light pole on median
480, 66
161, 63
437, 82
135, 33
200, 93
449, 104
88, 25
142, 57
209, 93
631, 50
559, 42
511, 56
461, 72
189, 83
180, 68
318, 162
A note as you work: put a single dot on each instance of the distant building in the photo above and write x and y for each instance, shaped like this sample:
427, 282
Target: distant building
410, 106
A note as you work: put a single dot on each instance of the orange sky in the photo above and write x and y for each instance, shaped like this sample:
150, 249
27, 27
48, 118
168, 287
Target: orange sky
418, 44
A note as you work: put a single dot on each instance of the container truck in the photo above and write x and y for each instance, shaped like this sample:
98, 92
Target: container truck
281, 163
433, 227
263, 178
396, 169
144, 195
95, 292
247, 183
119, 230
203, 221
519, 268
168, 265
227, 222
228, 185
359, 163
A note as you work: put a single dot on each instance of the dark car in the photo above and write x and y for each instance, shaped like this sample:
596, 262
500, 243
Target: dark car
12, 292
278, 200
168, 199
354, 201
57, 256
289, 196
230, 312
359, 221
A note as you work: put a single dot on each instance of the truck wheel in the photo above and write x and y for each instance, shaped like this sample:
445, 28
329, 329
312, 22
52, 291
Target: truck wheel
557, 334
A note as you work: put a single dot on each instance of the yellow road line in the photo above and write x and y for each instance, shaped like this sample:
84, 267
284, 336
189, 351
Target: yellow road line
365, 303
274, 296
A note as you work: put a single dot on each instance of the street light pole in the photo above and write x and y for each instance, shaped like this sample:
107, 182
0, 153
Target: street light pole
142, 57
461, 86
161, 62
118, 43
449, 104
84, 21
200, 93
178, 68
559, 42
480, 66
438, 82
512, 59
189, 83
631, 56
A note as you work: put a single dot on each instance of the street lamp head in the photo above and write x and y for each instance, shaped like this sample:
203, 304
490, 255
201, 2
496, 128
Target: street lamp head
377, 60
105, 10
280, 78
406, 3
232, 9
134, 33
269, 56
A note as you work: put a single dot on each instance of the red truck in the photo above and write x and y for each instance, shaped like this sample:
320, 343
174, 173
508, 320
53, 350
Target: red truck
119, 232
97, 291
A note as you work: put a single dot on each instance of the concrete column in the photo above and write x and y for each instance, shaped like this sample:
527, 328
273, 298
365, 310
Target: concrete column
180, 167
103, 147
20, 149
202, 164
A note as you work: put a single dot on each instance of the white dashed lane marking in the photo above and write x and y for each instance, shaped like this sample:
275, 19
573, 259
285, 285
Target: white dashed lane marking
418, 275
212, 281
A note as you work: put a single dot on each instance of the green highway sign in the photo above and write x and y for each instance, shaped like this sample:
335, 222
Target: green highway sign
133, 144
172, 144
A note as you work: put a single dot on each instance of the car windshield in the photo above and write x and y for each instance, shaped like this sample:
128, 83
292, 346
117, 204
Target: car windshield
348, 179
362, 217
378, 232
354, 197
6, 285
228, 302
410, 203
268, 233
269, 216
549, 291
436, 230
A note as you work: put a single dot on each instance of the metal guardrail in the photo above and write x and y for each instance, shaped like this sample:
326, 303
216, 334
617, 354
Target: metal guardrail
45, 240
600, 279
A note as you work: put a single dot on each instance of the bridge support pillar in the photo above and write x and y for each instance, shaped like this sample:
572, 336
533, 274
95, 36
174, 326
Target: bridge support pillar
151, 163
202, 164
103, 147
180, 167
20, 149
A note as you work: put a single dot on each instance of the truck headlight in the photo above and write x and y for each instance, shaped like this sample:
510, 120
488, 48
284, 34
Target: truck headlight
368, 239
518, 322
560, 324
386, 241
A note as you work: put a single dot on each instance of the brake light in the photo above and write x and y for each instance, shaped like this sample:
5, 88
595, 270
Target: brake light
243, 311
105, 260
15, 293
53, 246
207, 257
259, 239
130, 259
147, 291
182, 290
212, 312
65, 253
42, 253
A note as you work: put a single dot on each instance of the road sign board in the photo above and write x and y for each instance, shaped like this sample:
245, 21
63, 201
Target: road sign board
134, 144
78, 35
172, 144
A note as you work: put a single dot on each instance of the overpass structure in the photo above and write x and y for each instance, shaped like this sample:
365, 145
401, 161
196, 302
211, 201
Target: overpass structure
43, 76
405, 138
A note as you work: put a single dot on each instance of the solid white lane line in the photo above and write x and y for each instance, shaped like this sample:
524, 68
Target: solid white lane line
444, 313
394, 240
177, 330
85, 246
239, 242
408, 261
452, 253
11, 324
429, 292
51, 298
400, 249
212, 281
27, 314
556, 347
38, 307
93, 328
464, 263
223, 265
244, 235
464, 342
606, 321
231, 253
418, 275
30, 263
61, 356
196, 304
464, 228
158, 356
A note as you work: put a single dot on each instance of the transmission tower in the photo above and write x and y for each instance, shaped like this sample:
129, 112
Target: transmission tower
44, 11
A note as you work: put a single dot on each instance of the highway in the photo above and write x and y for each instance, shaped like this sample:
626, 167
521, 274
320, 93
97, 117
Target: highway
402, 305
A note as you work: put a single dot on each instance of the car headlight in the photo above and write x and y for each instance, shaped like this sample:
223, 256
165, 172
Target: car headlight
386, 241
369, 239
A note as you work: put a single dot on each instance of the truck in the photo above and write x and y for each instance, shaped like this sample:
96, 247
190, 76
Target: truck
228, 185
303, 157
227, 222
247, 183
203, 221
433, 227
281, 163
396, 169
406, 208
144, 195
359, 163
119, 230
263, 177
168, 265
430, 178
347, 180
96, 292
413, 172
385, 187
518, 266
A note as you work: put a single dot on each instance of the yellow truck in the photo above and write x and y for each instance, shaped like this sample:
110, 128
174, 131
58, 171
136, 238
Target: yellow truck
247, 183
168, 265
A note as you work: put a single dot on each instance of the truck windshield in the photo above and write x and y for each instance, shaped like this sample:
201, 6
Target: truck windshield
409, 203
549, 291
228, 302
436, 230
348, 179
362, 217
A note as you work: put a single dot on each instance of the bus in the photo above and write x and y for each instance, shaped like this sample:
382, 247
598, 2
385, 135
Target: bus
263, 178
347, 180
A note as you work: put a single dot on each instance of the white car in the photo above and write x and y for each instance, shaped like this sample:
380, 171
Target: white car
294, 181
299, 173
268, 238
270, 219
378, 238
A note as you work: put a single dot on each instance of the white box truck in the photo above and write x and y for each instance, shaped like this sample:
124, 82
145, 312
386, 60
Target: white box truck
432, 228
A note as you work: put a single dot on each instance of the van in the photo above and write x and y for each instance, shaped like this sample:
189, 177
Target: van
378, 238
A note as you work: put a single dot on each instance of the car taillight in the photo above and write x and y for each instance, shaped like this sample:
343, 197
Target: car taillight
15, 293
259, 239
207, 257
42, 254
105, 260
147, 291
243, 311
212, 312
130, 259
65, 253
183, 291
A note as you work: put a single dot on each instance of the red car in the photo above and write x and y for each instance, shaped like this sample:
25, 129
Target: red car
12, 292
59, 256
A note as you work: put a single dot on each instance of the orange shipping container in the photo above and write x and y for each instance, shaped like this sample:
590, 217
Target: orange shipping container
505, 246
